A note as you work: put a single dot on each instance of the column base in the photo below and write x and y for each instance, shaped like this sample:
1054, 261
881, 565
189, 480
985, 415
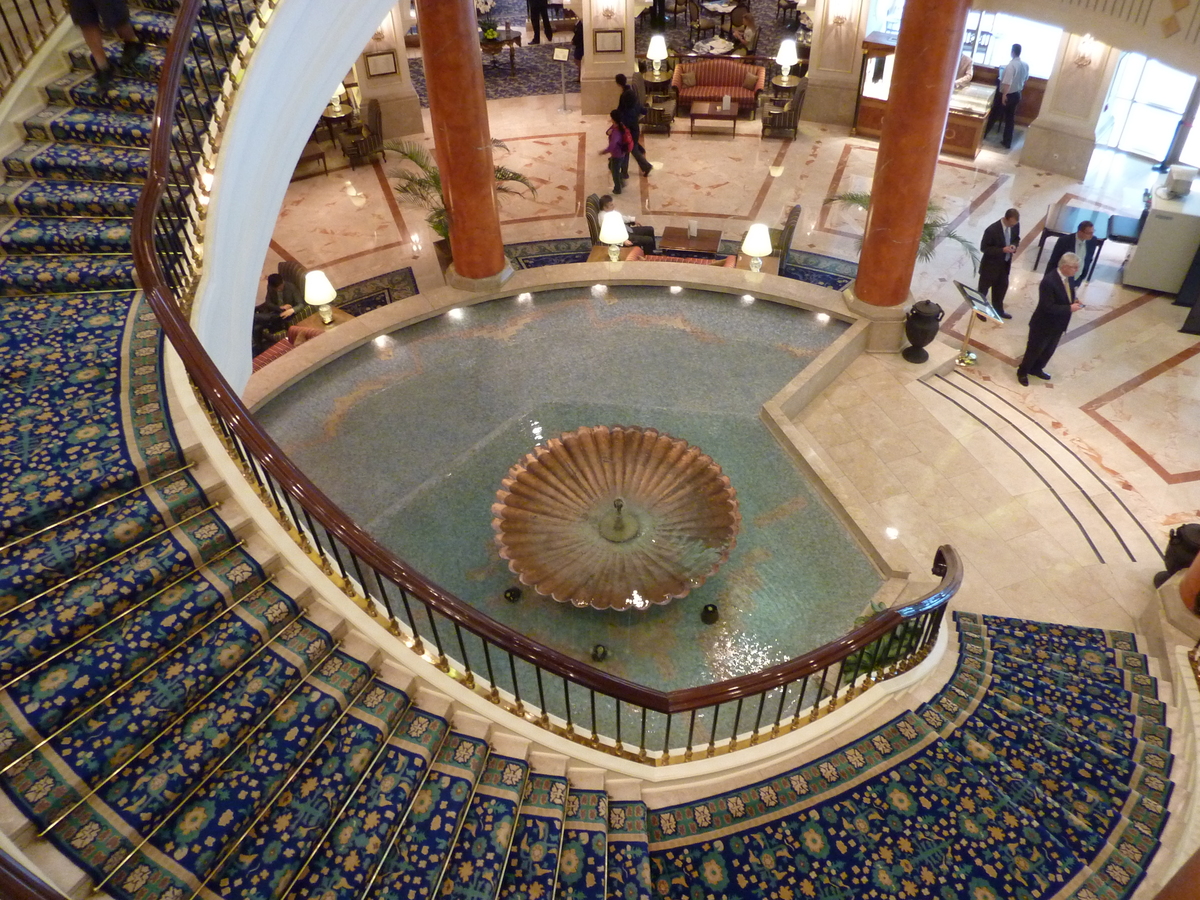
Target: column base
597, 96
830, 102
401, 115
1059, 150
886, 334
478, 285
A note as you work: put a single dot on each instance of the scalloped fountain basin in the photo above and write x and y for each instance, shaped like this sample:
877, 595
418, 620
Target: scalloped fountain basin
615, 518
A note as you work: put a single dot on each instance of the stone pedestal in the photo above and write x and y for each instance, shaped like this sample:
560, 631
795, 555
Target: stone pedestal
886, 334
478, 285
835, 60
399, 105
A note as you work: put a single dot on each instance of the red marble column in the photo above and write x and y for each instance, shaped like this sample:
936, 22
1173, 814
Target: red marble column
462, 140
927, 55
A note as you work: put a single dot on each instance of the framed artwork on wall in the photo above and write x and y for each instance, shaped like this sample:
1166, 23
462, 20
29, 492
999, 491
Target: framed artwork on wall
609, 40
381, 63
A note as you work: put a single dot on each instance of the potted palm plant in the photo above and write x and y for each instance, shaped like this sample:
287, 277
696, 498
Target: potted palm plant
420, 183
936, 225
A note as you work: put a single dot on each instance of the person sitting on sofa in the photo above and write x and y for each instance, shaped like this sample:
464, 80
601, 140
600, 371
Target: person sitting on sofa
639, 235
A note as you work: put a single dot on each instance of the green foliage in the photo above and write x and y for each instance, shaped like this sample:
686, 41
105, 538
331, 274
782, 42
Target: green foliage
936, 226
421, 182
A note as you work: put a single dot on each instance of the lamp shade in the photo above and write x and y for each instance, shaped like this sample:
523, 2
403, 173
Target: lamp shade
317, 289
657, 51
612, 228
787, 53
758, 241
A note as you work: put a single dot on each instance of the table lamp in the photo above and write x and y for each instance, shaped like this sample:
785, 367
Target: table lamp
614, 233
787, 57
319, 292
756, 245
336, 103
657, 51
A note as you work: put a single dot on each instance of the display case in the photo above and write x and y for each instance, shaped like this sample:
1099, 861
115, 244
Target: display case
968, 107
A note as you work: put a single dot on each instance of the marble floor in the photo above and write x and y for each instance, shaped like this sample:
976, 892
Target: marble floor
1124, 402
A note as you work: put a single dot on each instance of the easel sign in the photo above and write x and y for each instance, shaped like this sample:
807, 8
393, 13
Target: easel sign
562, 54
979, 304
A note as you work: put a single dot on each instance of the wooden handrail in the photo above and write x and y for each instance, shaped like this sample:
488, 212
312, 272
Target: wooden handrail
18, 883
270, 457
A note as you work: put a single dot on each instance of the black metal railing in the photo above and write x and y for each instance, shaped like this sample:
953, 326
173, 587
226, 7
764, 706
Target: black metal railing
24, 27
560, 693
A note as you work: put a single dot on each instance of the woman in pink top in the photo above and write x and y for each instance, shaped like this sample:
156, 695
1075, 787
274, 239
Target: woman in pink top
620, 142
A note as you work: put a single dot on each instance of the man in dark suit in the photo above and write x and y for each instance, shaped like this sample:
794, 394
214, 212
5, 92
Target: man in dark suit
539, 15
1082, 243
1056, 302
999, 245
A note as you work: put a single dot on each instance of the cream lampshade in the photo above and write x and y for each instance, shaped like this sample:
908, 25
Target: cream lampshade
614, 233
787, 56
756, 245
657, 51
319, 292
336, 103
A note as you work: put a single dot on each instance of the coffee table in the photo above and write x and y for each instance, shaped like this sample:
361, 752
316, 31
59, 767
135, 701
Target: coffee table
707, 240
707, 110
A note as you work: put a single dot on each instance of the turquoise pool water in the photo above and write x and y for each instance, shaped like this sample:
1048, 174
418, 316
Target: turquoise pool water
413, 433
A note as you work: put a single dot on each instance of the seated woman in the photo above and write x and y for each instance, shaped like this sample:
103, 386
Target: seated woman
639, 235
745, 35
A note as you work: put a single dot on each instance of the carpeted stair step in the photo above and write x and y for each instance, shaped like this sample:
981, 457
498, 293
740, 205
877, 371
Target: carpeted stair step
351, 852
414, 868
482, 848
583, 861
1051, 635
1043, 646
132, 95
628, 851
272, 853
149, 65
537, 840
1078, 691
68, 198
28, 276
77, 162
155, 27
83, 125
223, 12
1061, 668
207, 823
269, 696
25, 235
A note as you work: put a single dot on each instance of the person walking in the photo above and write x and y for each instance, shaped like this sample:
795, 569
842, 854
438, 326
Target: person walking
539, 14
1056, 302
620, 142
89, 16
999, 244
1008, 95
631, 109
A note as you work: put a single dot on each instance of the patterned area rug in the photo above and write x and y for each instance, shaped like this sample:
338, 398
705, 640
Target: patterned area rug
372, 293
535, 72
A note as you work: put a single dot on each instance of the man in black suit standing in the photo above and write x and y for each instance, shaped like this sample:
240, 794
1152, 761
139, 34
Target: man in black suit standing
539, 15
999, 245
1056, 302
1082, 243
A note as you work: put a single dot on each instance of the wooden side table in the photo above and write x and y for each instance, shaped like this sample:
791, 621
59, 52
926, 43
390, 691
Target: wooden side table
506, 37
600, 253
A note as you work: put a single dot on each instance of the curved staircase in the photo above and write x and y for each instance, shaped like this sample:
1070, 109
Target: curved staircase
179, 717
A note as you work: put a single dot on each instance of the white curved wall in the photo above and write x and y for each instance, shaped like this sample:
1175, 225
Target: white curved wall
307, 48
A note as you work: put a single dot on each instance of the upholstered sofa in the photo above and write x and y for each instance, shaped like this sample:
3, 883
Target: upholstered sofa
711, 79
726, 262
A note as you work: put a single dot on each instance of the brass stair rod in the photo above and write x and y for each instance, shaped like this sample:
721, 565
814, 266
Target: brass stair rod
399, 826
95, 506
103, 563
128, 681
117, 618
195, 789
368, 772
175, 721
296, 769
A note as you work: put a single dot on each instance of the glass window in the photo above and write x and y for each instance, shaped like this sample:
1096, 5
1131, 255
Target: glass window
993, 34
1164, 87
1190, 156
1145, 103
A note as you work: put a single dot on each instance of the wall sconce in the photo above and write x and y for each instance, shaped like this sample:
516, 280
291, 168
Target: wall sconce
319, 292
610, 12
1084, 59
841, 12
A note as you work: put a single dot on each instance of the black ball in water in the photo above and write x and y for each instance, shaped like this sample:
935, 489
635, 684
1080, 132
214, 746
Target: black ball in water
709, 614
599, 653
513, 594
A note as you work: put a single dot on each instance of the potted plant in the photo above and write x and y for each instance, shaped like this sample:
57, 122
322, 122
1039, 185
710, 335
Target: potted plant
936, 225
421, 184
487, 25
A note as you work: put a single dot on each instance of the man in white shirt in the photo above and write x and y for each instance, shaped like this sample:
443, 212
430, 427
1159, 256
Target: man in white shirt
1008, 95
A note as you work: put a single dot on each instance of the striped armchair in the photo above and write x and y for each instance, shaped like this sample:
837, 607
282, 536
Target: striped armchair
712, 79
786, 117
